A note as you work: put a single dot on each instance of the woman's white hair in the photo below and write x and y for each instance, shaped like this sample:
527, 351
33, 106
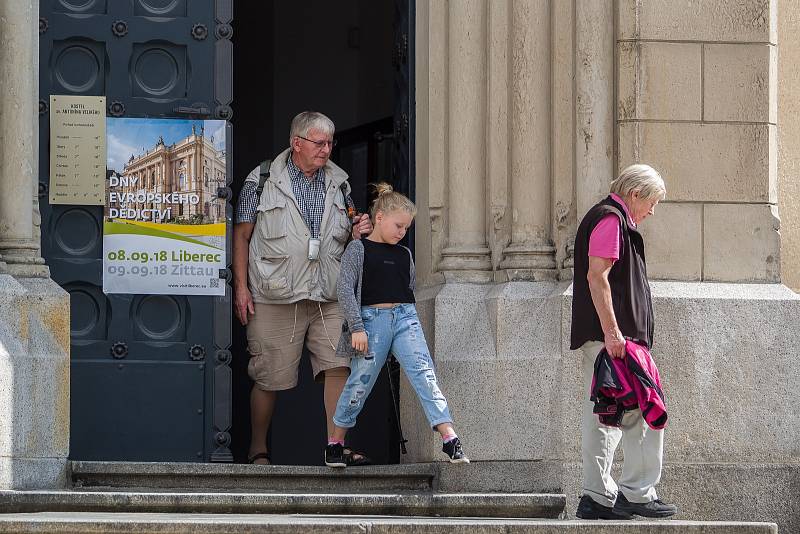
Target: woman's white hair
642, 178
310, 120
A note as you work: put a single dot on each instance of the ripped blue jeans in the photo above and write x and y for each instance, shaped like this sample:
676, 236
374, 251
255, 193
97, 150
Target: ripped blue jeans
396, 330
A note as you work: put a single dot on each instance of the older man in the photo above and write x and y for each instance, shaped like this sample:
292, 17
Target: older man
287, 244
611, 303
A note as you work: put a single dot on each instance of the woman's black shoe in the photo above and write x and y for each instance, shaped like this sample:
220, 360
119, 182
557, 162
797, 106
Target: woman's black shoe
589, 509
655, 509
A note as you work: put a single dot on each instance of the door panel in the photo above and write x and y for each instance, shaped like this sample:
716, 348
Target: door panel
150, 373
404, 103
169, 416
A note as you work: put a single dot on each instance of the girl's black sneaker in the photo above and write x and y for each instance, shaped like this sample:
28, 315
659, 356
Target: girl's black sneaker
453, 449
334, 455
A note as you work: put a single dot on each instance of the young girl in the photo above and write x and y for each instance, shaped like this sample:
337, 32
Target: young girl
376, 294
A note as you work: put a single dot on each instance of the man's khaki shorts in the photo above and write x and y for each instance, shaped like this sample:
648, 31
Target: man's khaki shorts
275, 338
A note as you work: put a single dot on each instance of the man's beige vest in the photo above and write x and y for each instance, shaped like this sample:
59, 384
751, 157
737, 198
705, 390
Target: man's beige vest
279, 271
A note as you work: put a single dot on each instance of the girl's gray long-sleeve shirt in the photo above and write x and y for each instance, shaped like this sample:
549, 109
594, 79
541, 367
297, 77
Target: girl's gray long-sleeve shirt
348, 289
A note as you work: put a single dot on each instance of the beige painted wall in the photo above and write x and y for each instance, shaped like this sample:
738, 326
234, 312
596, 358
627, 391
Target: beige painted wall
789, 139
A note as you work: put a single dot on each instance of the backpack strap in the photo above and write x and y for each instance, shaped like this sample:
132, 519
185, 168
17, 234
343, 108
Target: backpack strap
263, 174
348, 202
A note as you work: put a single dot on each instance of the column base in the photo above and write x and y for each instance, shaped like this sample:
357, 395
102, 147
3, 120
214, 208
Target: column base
23, 260
566, 266
35, 366
466, 259
27, 270
532, 275
530, 263
495, 348
33, 473
529, 257
470, 277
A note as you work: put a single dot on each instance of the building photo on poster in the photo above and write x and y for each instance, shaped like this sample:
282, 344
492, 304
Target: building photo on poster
164, 225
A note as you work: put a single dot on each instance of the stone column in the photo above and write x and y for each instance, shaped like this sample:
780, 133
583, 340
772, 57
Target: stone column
19, 60
467, 248
562, 120
34, 310
530, 254
497, 131
594, 101
593, 167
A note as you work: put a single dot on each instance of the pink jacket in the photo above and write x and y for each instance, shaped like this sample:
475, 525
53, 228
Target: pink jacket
632, 382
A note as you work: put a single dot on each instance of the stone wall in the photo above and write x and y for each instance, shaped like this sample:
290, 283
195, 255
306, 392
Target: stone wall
724, 355
697, 99
789, 139
527, 110
34, 371
689, 86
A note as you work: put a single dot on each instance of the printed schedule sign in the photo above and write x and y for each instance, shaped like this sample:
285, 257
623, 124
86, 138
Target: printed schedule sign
77, 149
164, 224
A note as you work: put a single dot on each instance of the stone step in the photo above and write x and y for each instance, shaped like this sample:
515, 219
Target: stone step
260, 478
96, 523
398, 504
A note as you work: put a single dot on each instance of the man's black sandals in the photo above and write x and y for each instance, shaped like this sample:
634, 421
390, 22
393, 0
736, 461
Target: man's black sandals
259, 456
353, 458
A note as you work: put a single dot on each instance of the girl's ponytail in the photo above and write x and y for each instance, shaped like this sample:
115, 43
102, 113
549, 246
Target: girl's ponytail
388, 200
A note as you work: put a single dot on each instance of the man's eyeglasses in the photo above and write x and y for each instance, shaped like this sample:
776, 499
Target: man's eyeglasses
320, 144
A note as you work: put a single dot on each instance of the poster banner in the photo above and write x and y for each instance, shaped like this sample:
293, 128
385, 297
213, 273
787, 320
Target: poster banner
77, 149
164, 225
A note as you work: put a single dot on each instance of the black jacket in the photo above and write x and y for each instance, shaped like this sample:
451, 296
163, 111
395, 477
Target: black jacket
630, 291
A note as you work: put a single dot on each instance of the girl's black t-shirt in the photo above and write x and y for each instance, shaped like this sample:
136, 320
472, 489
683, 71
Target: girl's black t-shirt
387, 274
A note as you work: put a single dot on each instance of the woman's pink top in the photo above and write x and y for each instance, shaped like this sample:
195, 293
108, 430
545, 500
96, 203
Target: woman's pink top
604, 242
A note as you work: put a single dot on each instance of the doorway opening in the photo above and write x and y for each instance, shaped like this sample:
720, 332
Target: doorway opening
353, 62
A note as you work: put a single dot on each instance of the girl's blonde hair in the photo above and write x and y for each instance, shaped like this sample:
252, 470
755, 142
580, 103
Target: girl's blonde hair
389, 200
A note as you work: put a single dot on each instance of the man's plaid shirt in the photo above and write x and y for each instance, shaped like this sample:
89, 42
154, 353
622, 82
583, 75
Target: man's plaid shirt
309, 193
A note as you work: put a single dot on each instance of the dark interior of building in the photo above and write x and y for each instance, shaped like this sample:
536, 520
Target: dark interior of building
337, 58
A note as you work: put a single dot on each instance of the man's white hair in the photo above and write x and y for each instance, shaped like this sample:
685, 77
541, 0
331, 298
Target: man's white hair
310, 120
642, 178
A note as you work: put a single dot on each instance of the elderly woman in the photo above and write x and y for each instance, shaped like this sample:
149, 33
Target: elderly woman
611, 303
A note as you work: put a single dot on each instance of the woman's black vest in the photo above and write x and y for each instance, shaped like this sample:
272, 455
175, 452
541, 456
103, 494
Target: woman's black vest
630, 292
